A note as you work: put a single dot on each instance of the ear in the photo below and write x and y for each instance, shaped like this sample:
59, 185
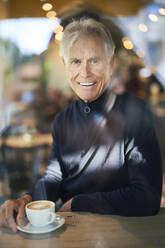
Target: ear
112, 63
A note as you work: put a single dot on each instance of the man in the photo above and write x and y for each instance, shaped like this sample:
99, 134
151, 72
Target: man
105, 157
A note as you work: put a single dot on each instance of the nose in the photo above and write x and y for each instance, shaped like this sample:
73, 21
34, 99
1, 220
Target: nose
84, 69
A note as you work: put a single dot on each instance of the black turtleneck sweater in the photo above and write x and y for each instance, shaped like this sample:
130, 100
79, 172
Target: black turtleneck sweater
108, 161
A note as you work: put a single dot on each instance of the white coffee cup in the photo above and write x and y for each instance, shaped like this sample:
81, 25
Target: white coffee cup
40, 213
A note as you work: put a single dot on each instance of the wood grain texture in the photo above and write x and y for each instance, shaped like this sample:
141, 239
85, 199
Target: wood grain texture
83, 230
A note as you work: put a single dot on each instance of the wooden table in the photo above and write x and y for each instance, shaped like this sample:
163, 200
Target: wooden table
27, 140
84, 230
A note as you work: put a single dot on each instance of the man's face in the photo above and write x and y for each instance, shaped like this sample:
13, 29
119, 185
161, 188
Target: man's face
88, 67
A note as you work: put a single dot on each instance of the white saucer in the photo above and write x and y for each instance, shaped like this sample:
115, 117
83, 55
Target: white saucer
28, 228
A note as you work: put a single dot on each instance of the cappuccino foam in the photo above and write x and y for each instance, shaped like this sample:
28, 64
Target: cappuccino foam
39, 205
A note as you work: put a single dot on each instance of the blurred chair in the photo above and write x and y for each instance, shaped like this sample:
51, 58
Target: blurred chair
23, 166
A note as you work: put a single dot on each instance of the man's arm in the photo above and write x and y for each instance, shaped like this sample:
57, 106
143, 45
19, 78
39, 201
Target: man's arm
48, 187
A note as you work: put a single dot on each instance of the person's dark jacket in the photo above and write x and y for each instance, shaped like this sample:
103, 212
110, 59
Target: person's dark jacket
107, 161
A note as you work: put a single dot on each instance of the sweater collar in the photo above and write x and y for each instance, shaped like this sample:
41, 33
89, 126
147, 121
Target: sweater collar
96, 105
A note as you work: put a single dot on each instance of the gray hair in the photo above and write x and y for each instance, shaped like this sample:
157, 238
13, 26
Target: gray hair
89, 27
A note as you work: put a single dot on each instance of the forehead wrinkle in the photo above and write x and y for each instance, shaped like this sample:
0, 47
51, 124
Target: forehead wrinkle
79, 49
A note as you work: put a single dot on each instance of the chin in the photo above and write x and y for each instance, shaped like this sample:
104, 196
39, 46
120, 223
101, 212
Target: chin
88, 99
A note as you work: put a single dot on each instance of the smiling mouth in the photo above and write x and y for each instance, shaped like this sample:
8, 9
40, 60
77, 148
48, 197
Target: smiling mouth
87, 84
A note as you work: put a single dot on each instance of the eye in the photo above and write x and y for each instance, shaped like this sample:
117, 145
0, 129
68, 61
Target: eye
75, 61
94, 61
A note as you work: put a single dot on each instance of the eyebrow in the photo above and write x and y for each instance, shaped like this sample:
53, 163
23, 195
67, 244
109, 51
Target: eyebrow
71, 59
96, 57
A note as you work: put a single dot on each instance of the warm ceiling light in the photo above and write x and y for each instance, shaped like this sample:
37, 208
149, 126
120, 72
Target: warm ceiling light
127, 43
58, 36
58, 29
143, 27
47, 6
153, 17
162, 11
51, 14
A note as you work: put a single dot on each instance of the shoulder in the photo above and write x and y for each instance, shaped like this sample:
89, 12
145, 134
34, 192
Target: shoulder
132, 105
128, 99
136, 112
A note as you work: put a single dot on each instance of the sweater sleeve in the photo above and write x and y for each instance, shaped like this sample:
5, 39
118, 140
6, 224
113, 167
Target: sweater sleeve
142, 195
